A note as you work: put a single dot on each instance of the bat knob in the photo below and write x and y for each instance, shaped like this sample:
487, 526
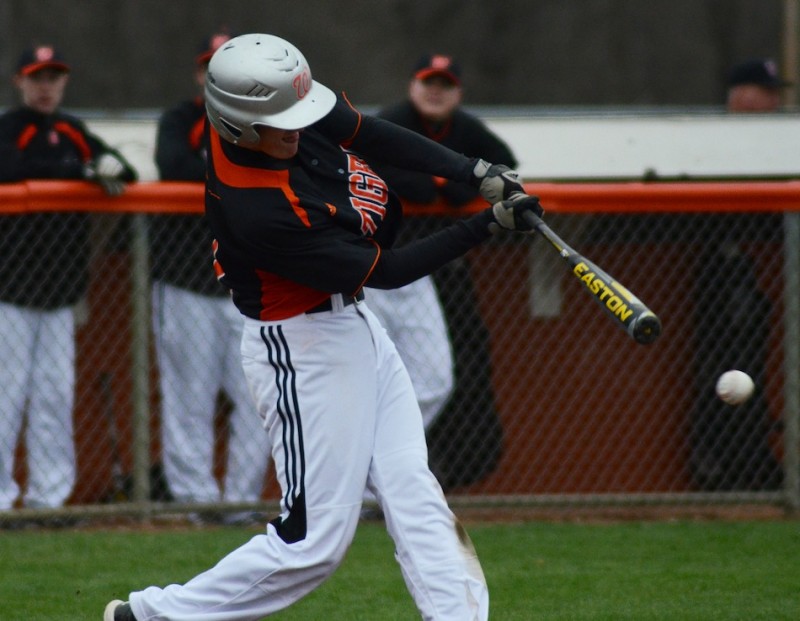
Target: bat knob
646, 328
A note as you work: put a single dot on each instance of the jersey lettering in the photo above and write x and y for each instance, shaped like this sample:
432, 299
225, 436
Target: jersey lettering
369, 194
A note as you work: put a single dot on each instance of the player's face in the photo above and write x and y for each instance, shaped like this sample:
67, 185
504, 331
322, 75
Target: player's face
43, 90
281, 144
435, 98
753, 98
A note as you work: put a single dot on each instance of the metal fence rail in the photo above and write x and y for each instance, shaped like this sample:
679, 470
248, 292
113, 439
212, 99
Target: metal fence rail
553, 406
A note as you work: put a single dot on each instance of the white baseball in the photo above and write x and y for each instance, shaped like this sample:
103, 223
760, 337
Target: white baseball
735, 387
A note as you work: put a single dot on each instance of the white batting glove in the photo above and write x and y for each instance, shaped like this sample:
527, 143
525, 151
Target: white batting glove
496, 182
106, 171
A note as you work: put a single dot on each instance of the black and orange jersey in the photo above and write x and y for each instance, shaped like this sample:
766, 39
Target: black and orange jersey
44, 256
291, 232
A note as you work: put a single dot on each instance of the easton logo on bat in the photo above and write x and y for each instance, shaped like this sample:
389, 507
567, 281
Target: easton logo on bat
610, 296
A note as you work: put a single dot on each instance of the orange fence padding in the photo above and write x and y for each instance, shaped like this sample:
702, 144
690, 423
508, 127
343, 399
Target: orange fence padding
633, 197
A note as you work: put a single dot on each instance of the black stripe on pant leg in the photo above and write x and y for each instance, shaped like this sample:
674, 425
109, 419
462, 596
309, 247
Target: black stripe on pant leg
294, 527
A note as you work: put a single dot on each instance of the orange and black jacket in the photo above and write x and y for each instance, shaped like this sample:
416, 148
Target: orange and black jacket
45, 255
181, 244
291, 232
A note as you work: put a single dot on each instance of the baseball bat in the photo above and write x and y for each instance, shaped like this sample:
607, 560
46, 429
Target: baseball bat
624, 308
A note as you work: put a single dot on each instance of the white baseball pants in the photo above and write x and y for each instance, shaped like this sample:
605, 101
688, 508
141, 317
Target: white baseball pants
341, 413
414, 319
37, 349
198, 342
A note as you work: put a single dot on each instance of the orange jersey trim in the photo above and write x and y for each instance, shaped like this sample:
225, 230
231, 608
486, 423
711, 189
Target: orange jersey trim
26, 136
371, 267
196, 133
237, 176
347, 142
282, 298
76, 137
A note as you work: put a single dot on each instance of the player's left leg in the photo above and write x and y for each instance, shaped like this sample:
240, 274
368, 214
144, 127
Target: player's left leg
414, 319
439, 564
50, 436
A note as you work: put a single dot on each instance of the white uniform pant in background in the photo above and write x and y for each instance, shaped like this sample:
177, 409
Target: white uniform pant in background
340, 413
198, 343
37, 377
414, 319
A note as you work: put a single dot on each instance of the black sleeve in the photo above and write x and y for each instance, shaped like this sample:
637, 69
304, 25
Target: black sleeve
401, 266
410, 185
377, 139
175, 158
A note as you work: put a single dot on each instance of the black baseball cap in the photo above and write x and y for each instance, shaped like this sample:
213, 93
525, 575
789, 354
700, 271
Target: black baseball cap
41, 57
210, 45
761, 71
438, 65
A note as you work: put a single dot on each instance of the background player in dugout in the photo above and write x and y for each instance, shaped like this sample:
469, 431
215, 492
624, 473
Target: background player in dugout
731, 446
198, 331
441, 336
44, 274
301, 223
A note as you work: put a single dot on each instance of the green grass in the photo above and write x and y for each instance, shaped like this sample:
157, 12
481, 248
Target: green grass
686, 571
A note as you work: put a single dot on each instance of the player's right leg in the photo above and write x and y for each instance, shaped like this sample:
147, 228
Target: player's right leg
313, 377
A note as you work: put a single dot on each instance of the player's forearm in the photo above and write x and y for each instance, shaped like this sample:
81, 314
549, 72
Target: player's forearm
400, 266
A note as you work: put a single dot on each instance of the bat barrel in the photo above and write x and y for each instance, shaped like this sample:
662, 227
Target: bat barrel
646, 328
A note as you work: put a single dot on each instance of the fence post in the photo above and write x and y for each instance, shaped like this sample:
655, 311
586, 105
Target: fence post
791, 353
140, 357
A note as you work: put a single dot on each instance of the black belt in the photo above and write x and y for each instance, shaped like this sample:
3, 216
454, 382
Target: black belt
327, 305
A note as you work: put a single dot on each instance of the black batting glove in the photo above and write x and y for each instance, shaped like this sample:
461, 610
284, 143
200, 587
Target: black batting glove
495, 181
509, 214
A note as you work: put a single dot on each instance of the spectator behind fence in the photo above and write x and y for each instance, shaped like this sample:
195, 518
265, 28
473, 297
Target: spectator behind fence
198, 331
755, 86
301, 224
464, 433
731, 445
44, 273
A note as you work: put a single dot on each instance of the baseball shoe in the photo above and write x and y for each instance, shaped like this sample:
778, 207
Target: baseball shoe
118, 610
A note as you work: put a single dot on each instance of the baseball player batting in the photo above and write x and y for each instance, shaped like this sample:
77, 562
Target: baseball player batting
302, 224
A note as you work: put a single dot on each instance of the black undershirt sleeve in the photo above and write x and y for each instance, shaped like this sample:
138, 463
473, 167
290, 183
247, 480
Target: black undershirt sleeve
398, 267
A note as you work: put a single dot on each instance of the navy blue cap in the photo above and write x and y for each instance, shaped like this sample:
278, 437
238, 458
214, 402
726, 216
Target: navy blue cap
761, 71
41, 57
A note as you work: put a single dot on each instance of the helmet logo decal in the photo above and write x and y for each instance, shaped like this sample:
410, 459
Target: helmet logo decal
302, 83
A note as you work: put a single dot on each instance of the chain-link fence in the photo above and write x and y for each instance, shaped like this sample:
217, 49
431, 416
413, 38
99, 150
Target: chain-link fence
550, 402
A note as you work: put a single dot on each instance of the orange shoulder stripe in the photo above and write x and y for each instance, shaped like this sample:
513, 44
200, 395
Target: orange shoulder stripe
76, 137
26, 136
237, 176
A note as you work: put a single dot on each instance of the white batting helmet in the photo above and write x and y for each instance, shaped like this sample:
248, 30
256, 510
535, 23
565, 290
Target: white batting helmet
260, 79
